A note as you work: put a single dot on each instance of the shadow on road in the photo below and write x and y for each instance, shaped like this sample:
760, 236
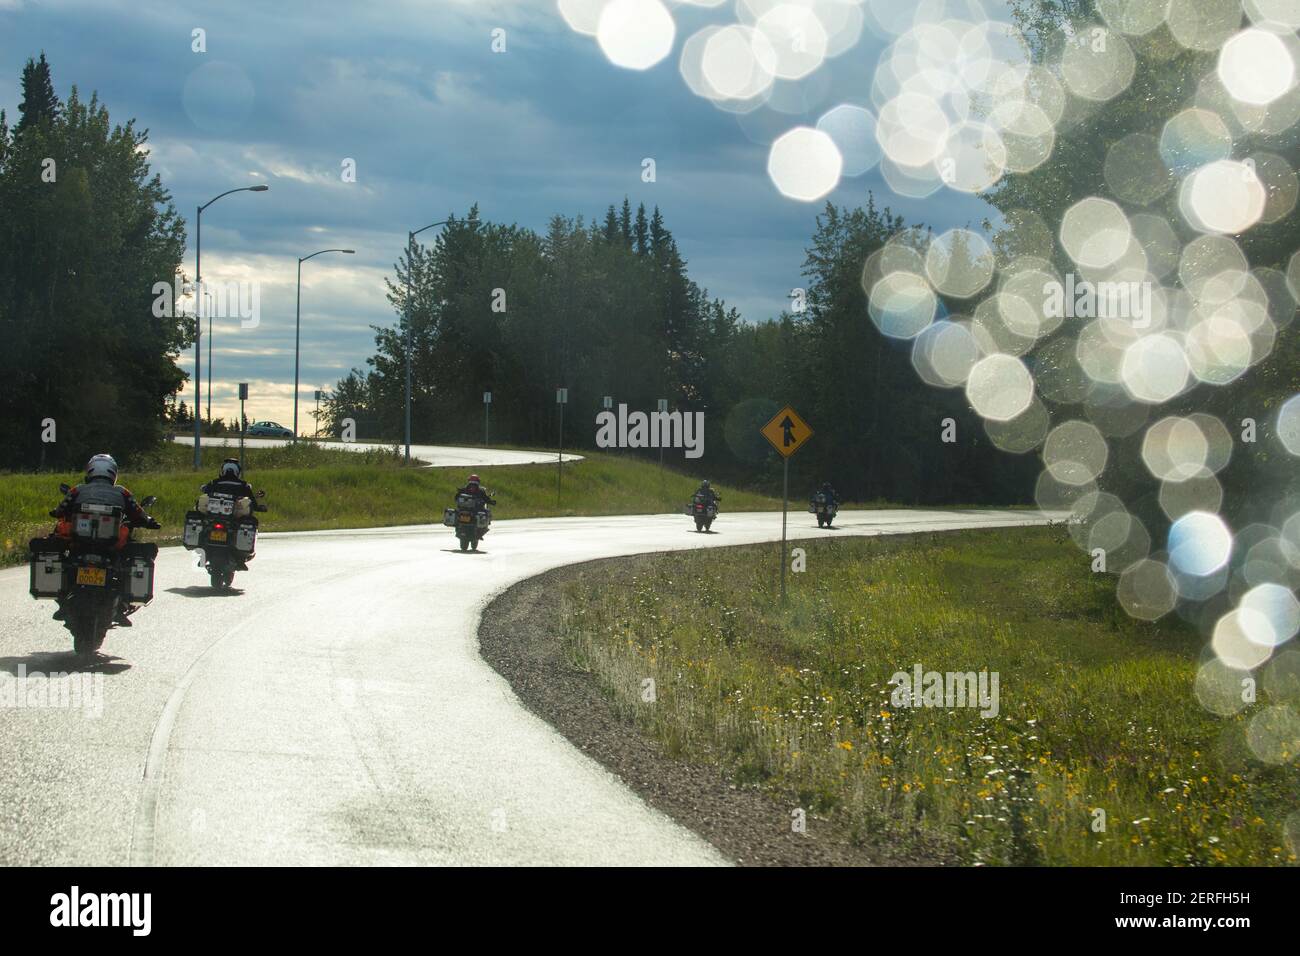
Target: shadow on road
459, 551
199, 591
54, 662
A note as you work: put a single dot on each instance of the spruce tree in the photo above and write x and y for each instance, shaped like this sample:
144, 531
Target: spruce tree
39, 102
641, 232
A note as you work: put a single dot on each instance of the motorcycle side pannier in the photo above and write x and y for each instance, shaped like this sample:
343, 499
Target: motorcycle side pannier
449, 517
47, 574
139, 580
245, 537
193, 532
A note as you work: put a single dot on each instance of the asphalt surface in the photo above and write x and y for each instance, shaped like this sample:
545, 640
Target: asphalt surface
437, 456
334, 709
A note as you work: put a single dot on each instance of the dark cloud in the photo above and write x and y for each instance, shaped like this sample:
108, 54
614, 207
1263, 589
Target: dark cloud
435, 122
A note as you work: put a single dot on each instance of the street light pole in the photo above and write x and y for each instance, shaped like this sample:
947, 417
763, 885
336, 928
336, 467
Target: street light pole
297, 324
198, 314
410, 253
209, 414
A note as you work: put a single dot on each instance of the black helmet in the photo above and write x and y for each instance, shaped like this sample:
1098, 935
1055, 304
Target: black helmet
230, 468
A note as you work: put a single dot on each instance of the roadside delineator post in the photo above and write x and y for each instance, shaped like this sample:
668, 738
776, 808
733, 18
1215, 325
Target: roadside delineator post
662, 405
786, 432
487, 408
561, 399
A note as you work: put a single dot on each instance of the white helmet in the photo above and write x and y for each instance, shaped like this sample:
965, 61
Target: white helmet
230, 468
101, 466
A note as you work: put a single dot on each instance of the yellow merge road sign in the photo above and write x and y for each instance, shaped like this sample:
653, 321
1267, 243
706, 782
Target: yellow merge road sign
787, 431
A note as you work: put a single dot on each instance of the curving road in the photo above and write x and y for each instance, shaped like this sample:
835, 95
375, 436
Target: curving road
336, 711
437, 456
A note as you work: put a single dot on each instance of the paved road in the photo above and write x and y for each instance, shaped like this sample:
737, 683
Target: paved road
337, 711
438, 456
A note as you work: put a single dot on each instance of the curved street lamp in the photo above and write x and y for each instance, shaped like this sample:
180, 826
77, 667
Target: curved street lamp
297, 323
410, 252
198, 313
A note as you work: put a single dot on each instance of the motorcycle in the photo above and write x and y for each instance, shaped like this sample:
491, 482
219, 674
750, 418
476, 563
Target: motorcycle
703, 511
824, 507
93, 570
224, 529
470, 519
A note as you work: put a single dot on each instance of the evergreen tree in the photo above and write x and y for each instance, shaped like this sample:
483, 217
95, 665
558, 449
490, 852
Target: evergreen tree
657, 231
625, 223
640, 231
39, 103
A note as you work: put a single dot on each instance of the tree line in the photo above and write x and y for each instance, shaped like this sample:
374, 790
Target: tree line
85, 232
606, 307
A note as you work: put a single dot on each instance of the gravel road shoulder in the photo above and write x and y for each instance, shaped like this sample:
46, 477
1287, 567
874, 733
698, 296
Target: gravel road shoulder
519, 638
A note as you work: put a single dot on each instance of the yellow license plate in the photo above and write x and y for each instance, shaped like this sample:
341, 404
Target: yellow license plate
466, 519
96, 576
217, 535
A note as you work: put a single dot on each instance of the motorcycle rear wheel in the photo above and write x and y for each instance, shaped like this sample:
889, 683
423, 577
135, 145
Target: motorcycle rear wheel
89, 626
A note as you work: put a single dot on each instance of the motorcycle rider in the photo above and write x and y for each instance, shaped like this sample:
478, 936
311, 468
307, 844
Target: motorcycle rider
475, 490
101, 488
710, 496
832, 504
230, 481
829, 492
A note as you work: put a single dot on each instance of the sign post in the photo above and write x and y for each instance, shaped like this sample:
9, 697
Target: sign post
315, 415
607, 403
487, 408
786, 432
663, 407
243, 397
561, 399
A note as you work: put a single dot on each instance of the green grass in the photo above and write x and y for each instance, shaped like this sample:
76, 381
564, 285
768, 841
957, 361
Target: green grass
310, 488
1097, 711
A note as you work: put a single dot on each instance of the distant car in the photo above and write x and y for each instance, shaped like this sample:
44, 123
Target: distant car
269, 429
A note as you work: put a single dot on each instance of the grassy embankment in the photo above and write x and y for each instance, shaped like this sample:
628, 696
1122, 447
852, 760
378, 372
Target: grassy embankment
309, 488
1097, 711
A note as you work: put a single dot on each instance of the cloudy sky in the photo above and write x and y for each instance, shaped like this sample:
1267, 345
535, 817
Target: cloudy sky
436, 120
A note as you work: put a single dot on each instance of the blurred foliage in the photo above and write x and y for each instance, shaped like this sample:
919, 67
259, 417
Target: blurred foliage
1166, 81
